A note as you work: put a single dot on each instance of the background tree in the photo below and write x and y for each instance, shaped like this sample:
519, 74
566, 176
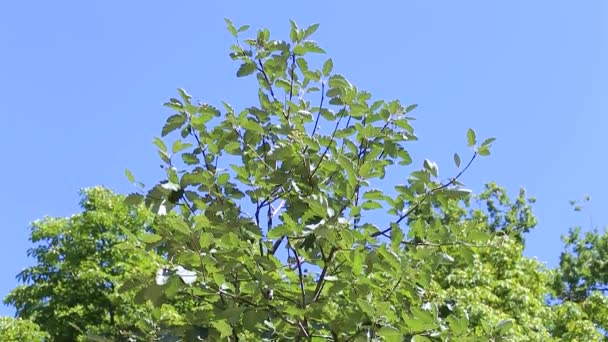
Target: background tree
14, 329
72, 290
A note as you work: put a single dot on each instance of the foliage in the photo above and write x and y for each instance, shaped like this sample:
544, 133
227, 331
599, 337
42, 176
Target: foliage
275, 233
15, 329
277, 222
81, 261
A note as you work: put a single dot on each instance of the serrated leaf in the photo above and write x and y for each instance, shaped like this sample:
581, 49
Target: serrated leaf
246, 68
190, 159
471, 138
173, 122
134, 199
371, 205
374, 195
328, 67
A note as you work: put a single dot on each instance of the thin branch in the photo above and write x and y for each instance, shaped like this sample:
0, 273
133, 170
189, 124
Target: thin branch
293, 67
426, 195
321, 281
314, 130
276, 245
263, 72
393, 289
300, 274
331, 141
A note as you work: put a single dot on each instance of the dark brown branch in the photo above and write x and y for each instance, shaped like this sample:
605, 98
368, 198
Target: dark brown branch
300, 274
321, 281
426, 195
331, 141
263, 72
293, 67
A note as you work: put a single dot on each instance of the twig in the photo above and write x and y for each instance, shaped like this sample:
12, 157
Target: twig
321, 281
331, 141
426, 195
300, 274
263, 72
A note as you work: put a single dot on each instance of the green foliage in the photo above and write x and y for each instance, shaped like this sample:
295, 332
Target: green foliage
272, 227
14, 329
81, 261
275, 222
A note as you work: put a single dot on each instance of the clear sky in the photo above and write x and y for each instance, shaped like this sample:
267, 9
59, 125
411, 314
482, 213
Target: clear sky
82, 85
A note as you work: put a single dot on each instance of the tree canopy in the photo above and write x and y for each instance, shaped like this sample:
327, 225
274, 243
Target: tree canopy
270, 225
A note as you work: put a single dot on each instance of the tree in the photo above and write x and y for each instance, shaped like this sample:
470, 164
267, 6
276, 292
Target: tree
12, 329
72, 290
269, 227
273, 230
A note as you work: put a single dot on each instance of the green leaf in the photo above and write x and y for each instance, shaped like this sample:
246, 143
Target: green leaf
223, 179
151, 238
134, 199
471, 138
190, 159
310, 30
371, 205
205, 240
483, 150
328, 67
504, 326
396, 236
246, 68
231, 27
458, 325
129, 176
390, 334
374, 195
306, 47
457, 159
488, 141
223, 328
160, 144
293, 32
179, 146
173, 122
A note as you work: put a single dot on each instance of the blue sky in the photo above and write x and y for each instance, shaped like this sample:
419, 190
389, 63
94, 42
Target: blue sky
82, 86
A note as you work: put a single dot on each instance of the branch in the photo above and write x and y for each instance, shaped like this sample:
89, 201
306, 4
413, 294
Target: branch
426, 195
263, 72
331, 141
300, 275
293, 67
314, 129
321, 281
